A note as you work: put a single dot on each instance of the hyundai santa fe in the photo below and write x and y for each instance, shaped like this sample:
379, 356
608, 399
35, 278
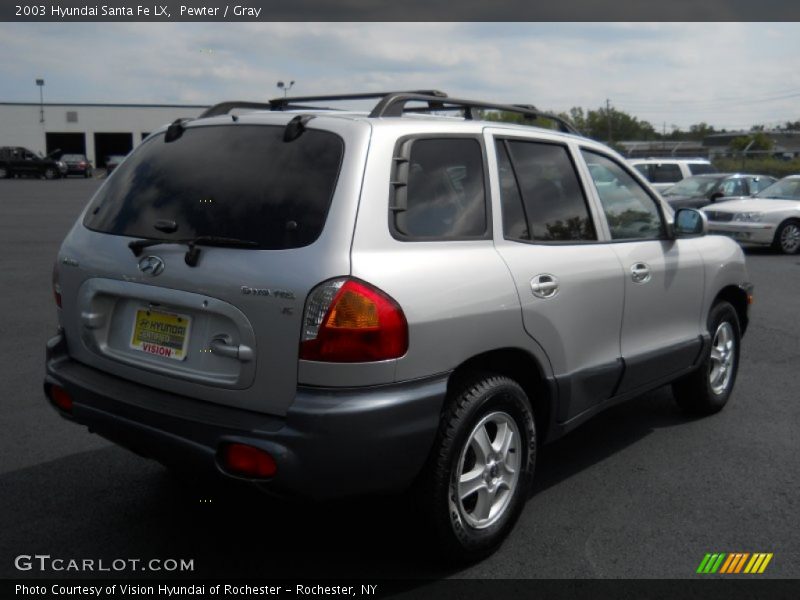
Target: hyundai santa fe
326, 302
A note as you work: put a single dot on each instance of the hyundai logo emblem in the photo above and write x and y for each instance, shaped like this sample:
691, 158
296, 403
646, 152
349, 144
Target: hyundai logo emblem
151, 265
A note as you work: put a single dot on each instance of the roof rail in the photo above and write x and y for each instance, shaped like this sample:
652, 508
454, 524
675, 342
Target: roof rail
393, 105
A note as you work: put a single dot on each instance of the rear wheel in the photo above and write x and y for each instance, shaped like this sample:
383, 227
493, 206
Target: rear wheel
481, 467
4, 173
706, 390
787, 237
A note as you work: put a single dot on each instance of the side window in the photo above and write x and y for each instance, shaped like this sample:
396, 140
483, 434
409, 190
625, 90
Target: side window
733, 187
444, 196
515, 224
701, 168
630, 211
644, 169
666, 173
759, 183
542, 198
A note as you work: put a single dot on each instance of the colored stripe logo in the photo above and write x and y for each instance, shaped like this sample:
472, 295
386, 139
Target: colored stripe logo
734, 563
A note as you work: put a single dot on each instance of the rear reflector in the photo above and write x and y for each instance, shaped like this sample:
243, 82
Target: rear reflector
61, 398
247, 461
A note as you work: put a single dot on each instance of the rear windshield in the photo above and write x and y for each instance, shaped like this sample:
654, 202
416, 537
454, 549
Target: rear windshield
233, 181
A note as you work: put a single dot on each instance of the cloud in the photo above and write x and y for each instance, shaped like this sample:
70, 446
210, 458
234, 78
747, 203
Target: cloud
727, 74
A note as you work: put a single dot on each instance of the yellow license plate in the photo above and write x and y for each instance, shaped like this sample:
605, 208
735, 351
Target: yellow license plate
160, 333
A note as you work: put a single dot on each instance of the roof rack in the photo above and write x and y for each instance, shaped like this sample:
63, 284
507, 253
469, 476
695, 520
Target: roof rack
393, 104
284, 103
292, 103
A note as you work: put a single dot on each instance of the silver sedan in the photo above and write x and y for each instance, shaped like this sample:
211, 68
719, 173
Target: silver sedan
771, 217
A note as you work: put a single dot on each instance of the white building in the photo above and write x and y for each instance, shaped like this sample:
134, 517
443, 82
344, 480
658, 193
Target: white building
96, 130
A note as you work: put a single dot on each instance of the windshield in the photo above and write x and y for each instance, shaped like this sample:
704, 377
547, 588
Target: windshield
72, 157
785, 189
233, 181
693, 186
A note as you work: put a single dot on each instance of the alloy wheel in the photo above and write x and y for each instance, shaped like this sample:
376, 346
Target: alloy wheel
488, 470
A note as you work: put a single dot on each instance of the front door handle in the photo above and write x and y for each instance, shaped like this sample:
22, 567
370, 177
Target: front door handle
222, 345
544, 286
640, 272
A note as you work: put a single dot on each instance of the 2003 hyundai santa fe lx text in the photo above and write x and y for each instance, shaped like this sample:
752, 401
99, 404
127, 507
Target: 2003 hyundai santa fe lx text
329, 303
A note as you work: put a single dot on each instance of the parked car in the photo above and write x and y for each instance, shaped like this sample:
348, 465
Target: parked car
16, 161
699, 190
663, 173
771, 217
326, 304
112, 162
77, 164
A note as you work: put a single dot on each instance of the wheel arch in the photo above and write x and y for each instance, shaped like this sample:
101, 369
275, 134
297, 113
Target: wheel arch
740, 299
523, 368
791, 219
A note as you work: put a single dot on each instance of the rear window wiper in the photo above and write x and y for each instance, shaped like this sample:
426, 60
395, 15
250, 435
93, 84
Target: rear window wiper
193, 253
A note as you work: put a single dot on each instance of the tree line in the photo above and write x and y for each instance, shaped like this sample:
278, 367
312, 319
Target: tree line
609, 124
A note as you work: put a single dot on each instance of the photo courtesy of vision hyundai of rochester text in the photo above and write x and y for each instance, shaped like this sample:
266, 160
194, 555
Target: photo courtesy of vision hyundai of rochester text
328, 303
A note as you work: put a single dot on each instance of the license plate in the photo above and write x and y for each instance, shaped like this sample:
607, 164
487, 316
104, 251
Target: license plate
160, 333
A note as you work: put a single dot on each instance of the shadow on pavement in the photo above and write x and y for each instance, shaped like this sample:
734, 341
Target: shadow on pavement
109, 503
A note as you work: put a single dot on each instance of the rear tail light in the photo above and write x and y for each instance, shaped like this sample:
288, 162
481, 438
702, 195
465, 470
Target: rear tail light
61, 398
247, 461
347, 320
56, 286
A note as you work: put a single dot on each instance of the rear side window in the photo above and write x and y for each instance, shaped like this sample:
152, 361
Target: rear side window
541, 196
441, 192
665, 173
234, 181
701, 168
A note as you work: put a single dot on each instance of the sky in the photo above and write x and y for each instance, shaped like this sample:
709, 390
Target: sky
729, 75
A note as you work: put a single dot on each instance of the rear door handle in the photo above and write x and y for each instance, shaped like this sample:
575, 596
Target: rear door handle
222, 345
640, 272
544, 285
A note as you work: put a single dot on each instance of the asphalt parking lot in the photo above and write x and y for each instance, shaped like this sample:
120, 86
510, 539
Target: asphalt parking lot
641, 491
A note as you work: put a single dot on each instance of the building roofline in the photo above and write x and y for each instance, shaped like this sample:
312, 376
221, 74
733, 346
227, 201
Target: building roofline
101, 105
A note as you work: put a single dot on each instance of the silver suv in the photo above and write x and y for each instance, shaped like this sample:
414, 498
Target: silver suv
328, 303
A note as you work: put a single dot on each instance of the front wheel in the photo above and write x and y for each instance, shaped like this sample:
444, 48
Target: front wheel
706, 390
4, 173
50, 173
787, 237
481, 467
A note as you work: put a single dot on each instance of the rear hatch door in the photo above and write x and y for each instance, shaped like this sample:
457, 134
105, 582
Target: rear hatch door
238, 226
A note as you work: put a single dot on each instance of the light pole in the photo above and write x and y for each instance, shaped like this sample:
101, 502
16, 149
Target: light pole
40, 83
285, 87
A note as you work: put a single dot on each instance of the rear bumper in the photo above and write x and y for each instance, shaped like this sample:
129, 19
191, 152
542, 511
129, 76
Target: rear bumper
332, 442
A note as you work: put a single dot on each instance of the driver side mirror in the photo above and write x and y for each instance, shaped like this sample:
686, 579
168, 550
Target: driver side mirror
690, 223
716, 196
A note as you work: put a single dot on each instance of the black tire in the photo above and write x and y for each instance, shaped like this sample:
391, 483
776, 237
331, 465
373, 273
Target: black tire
5, 173
695, 393
50, 173
482, 396
790, 245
